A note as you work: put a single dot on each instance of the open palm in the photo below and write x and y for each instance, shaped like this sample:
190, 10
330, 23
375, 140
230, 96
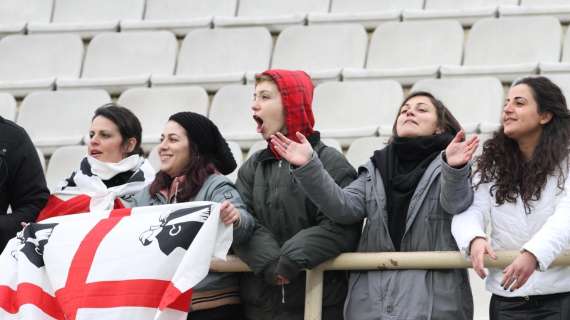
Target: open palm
459, 152
295, 153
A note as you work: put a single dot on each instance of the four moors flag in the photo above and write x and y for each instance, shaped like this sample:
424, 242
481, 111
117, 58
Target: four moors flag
136, 263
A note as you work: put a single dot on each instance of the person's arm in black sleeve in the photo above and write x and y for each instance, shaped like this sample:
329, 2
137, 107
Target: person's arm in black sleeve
25, 185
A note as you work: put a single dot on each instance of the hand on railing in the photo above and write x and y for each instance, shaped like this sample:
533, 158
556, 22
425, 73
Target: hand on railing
478, 249
517, 273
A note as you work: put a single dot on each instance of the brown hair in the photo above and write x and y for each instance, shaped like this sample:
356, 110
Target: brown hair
260, 77
503, 164
445, 120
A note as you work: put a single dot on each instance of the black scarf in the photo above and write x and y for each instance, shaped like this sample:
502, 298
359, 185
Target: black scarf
402, 164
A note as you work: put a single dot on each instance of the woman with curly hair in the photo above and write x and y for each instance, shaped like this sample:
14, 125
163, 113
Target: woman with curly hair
521, 185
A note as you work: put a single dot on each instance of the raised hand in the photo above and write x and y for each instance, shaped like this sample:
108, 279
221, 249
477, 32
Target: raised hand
478, 249
228, 213
517, 273
459, 152
297, 154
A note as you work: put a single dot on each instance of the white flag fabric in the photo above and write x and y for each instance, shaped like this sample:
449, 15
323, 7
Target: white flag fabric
138, 263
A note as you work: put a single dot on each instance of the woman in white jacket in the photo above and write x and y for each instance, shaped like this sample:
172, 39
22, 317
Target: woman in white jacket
521, 185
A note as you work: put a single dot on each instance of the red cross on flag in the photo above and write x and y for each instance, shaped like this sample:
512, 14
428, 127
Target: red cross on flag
136, 263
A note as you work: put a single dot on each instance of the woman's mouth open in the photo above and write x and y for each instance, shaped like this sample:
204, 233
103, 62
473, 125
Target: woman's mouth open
259, 122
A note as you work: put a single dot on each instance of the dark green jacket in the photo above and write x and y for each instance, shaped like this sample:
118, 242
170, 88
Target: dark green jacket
290, 235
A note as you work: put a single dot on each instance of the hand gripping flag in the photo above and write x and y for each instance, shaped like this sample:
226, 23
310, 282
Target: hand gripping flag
136, 263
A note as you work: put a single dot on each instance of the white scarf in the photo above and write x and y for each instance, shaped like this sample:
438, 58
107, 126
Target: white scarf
89, 180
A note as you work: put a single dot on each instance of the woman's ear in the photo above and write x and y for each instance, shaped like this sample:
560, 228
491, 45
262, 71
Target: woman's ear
438, 130
130, 145
545, 117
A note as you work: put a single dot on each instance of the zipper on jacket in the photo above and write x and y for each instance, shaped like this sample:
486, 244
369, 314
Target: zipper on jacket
280, 161
282, 293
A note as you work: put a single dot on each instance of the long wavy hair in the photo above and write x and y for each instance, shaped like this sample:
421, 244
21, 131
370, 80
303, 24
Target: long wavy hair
198, 169
502, 163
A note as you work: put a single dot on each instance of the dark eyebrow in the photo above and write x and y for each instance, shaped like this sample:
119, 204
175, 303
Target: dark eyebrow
170, 135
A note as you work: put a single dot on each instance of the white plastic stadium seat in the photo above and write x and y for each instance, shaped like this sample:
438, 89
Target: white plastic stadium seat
475, 102
563, 81
118, 61
276, 15
529, 8
62, 163
213, 58
493, 48
15, 14
466, 12
339, 108
153, 106
238, 156
180, 16
321, 51
362, 149
481, 297
42, 159
59, 118
562, 67
231, 112
89, 17
369, 13
7, 106
153, 158
33, 62
427, 46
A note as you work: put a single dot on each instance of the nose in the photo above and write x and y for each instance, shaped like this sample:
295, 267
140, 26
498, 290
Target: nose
508, 108
162, 145
94, 140
255, 105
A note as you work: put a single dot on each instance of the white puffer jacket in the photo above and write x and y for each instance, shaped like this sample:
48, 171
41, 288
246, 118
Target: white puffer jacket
545, 232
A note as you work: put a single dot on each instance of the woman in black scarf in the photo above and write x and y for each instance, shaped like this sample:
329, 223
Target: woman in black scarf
408, 193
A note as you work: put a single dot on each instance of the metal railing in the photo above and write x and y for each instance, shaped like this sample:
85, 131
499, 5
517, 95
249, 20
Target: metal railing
379, 261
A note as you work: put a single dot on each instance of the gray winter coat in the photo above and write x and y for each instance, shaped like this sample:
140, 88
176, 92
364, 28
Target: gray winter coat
216, 188
399, 294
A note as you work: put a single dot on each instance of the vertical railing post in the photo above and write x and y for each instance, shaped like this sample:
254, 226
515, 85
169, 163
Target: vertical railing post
314, 294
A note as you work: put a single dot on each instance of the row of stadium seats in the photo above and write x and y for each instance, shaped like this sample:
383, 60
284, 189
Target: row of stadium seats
88, 17
343, 110
506, 48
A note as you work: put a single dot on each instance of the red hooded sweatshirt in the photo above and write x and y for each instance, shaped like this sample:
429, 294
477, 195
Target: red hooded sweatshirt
296, 89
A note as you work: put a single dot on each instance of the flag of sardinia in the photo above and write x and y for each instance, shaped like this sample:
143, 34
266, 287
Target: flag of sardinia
136, 263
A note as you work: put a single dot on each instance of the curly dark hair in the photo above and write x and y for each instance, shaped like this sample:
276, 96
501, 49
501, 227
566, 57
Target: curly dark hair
503, 164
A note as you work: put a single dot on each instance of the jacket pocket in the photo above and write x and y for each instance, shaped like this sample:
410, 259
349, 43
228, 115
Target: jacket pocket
439, 226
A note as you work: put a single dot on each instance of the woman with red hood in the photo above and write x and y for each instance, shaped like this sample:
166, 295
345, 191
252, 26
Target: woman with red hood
291, 234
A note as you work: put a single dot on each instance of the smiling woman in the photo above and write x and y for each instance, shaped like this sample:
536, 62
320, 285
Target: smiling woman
194, 157
522, 189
